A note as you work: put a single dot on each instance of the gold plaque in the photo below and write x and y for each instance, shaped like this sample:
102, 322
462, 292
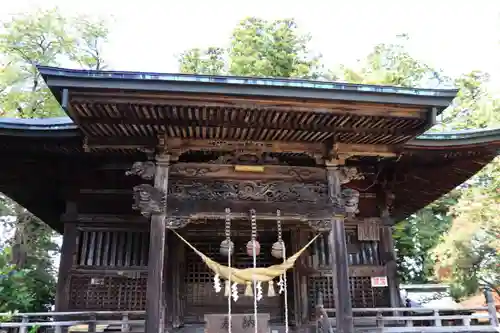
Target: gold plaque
248, 168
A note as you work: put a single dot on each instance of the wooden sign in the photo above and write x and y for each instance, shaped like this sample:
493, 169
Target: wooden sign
379, 281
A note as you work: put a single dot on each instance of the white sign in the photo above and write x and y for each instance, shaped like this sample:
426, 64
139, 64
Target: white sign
379, 281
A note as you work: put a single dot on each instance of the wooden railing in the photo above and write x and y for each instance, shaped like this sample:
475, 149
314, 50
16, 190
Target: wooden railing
59, 322
400, 320
416, 320
397, 320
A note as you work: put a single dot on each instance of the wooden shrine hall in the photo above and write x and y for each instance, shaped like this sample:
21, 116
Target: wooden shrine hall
162, 184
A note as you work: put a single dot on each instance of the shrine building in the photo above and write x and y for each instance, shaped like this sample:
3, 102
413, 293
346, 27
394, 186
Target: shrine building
152, 178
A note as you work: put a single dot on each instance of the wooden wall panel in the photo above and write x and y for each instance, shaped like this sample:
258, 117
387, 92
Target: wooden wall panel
114, 248
109, 270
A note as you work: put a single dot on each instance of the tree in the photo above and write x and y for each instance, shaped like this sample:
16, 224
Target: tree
210, 61
391, 64
44, 38
436, 232
469, 255
257, 48
474, 106
416, 236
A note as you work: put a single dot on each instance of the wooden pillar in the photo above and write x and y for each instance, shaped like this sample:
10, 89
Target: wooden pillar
155, 302
68, 251
389, 258
338, 255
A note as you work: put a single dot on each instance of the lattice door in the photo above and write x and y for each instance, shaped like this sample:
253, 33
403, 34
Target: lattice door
200, 295
363, 295
107, 293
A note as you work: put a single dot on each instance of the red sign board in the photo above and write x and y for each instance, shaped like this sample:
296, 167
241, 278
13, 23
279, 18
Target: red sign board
379, 281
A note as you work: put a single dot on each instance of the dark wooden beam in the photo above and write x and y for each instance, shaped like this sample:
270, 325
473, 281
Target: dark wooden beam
117, 142
119, 219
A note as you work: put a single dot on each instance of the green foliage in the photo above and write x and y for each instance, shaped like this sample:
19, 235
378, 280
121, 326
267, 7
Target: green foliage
29, 254
474, 106
36, 38
42, 38
455, 239
14, 293
417, 235
391, 64
257, 48
210, 61
469, 255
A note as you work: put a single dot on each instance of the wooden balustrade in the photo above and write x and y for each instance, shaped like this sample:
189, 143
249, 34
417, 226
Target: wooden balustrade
416, 319
378, 320
59, 322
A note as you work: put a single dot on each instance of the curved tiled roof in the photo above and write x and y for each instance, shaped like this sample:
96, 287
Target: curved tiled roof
46, 155
296, 88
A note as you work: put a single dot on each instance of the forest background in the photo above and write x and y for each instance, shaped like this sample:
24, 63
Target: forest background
455, 240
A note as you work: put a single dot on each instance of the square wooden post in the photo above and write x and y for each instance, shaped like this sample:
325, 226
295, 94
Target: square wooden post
389, 259
155, 302
338, 255
68, 251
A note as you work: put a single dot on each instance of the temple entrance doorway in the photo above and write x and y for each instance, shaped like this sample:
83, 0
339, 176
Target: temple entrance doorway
200, 296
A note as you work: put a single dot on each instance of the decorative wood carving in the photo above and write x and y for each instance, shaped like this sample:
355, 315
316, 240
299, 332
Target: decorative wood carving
149, 200
178, 146
350, 200
299, 174
145, 170
176, 222
344, 201
187, 170
214, 210
272, 191
322, 225
246, 159
347, 174
369, 229
224, 171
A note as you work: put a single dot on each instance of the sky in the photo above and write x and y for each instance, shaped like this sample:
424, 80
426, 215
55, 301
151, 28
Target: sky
147, 35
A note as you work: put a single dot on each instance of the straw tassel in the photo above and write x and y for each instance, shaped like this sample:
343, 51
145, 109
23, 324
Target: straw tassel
248, 289
270, 289
227, 288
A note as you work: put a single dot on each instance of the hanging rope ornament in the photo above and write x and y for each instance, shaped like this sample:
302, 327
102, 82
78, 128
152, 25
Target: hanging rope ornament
227, 246
285, 288
255, 245
226, 249
277, 251
227, 291
278, 248
253, 250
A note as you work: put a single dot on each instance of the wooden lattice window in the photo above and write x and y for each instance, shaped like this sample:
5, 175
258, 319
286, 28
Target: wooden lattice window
112, 248
107, 293
363, 295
